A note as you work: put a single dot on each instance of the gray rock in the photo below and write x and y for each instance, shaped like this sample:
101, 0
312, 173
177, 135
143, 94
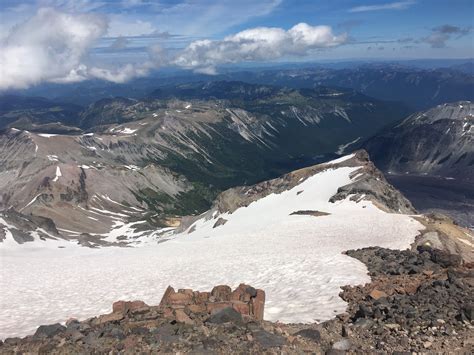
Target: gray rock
344, 345
309, 333
49, 331
225, 315
268, 340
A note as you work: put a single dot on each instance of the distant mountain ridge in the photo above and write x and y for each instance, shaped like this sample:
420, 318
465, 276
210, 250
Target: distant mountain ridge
419, 84
435, 142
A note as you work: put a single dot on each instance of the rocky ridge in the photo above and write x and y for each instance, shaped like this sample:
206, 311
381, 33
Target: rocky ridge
368, 184
435, 142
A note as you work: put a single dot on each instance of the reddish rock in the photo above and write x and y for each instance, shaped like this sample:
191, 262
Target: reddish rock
180, 299
221, 293
112, 317
197, 308
241, 307
165, 299
125, 306
202, 296
182, 317
186, 291
258, 305
243, 293
245, 299
376, 294
217, 306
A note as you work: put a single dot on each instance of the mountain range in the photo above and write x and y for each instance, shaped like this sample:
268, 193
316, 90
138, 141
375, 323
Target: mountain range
154, 160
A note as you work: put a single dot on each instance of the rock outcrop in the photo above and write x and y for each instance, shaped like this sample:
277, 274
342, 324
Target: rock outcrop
245, 299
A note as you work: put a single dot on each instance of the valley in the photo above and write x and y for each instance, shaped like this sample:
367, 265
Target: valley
451, 197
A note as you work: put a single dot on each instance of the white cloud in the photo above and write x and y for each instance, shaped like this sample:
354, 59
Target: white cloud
399, 5
53, 46
257, 44
48, 47
121, 74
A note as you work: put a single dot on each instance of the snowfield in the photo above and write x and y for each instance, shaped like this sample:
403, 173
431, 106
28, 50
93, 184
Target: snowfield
296, 259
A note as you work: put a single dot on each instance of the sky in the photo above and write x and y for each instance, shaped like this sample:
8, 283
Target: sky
117, 40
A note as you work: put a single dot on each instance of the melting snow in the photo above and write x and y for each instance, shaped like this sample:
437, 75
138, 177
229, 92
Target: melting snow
52, 157
295, 257
125, 130
132, 167
47, 135
58, 174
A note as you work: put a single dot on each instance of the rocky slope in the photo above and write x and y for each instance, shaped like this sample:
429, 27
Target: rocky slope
436, 142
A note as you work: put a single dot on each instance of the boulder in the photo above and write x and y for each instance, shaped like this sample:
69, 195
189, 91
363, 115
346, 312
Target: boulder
49, 331
376, 294
268, 340
226, 315
221, 293
311, 334
125, 306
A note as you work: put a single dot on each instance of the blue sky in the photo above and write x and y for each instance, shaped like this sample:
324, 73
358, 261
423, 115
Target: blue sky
145, 34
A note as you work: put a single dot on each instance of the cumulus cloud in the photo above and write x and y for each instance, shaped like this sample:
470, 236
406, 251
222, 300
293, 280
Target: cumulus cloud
121, 74
48, 47
257, 44
441, 34
398, 5
53, 46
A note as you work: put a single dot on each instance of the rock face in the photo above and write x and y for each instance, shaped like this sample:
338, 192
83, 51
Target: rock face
437, 142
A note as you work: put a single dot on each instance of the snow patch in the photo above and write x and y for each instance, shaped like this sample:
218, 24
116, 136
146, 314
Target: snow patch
58, 174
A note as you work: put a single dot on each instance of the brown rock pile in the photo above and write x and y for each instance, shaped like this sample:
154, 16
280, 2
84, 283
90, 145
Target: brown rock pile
245, 299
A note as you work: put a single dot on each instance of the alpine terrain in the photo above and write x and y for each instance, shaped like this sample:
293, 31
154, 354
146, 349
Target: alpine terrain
134, 165
236, 177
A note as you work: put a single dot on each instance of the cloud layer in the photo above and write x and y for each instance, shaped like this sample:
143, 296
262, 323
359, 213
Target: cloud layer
48, 47
257, 44
53, 46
